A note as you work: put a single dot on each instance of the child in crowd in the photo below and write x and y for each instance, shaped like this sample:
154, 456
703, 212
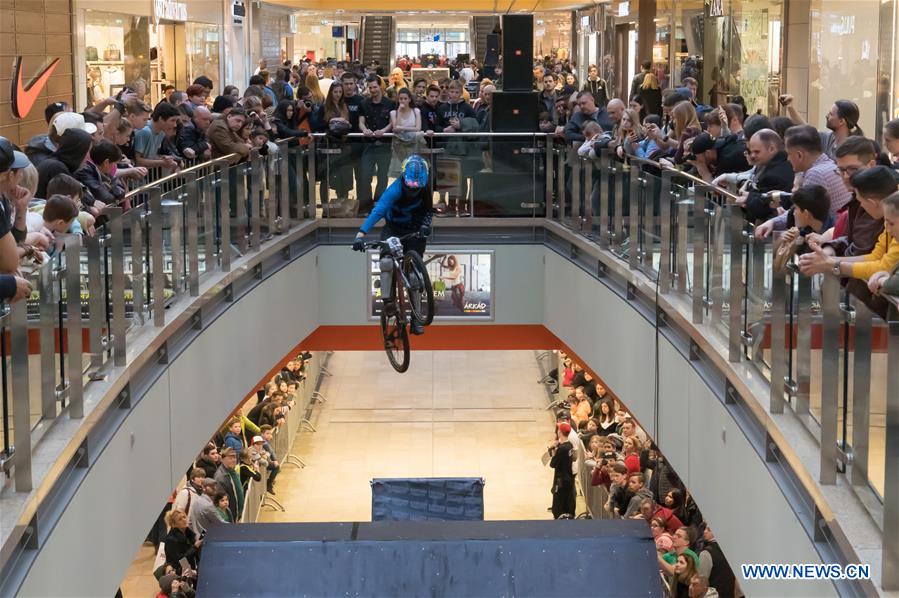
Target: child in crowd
55, 218
593, 133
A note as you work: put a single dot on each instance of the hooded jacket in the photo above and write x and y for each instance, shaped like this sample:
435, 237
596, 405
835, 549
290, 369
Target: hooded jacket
39, 148
68, 157
633, 507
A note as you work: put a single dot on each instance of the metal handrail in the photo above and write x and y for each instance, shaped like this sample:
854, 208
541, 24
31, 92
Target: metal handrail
253, 179
487, 134
174, 175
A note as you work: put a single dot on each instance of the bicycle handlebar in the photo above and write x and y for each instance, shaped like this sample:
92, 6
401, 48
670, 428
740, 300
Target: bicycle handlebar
382, 243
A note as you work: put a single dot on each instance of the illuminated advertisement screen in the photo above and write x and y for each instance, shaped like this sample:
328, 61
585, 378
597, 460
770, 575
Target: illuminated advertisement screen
462, 283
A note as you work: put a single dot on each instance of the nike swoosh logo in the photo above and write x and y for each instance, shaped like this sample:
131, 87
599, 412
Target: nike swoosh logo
23, 98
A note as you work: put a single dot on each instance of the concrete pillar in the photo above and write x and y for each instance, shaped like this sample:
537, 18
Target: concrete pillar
646, 28
796, 60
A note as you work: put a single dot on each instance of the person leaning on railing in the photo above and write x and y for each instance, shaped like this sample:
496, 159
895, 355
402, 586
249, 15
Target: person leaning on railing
13, 198
886, 282
224, 137
875, 189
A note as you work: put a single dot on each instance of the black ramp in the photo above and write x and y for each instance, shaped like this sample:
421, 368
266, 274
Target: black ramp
431, 558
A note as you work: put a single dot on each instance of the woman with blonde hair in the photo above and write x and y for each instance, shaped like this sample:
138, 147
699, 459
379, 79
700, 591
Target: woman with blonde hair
630, 134
651, 94
686, 127
318, 98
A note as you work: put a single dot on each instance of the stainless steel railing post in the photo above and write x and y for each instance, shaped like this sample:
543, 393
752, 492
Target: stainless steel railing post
21, 396
74, 326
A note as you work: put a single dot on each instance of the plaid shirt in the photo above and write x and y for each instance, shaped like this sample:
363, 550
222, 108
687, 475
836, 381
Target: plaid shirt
824, 172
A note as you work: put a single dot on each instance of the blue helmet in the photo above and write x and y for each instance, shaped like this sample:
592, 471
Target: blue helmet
415, 172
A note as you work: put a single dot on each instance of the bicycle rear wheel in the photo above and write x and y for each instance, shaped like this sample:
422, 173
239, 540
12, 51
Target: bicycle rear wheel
394, 330
421, 293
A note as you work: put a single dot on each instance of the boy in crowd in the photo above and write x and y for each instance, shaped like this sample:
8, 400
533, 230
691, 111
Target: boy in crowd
97, 175
56, 218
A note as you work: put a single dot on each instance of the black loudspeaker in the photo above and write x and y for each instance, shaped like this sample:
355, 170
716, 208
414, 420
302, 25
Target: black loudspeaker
514, 111
491, 58
518, 52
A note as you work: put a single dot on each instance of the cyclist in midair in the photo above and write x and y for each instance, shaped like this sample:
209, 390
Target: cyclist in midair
406, 207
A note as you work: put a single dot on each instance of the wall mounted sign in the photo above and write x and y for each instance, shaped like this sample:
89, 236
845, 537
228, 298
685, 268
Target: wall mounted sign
23, 98
238, 12
462, 282
169, 10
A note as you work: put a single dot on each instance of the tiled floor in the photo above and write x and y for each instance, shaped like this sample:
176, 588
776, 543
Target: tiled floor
473, 414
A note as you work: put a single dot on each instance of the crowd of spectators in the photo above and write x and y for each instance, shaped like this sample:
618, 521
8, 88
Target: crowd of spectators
216, 485
595, 437
122, 141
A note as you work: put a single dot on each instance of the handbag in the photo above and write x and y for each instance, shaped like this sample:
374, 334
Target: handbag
90, 54
112, 53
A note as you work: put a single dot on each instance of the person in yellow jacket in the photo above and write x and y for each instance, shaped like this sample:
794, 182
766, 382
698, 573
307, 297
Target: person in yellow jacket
872, 186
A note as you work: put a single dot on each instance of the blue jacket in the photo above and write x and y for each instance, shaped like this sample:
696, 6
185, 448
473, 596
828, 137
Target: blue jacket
409, 215
233, 441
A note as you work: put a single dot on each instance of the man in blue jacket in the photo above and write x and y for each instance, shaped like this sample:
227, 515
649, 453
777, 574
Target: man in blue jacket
406, 207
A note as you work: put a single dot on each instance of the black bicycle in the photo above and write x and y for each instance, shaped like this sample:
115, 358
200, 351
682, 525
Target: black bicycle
412, 286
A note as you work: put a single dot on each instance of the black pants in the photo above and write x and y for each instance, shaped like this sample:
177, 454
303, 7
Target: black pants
375, 163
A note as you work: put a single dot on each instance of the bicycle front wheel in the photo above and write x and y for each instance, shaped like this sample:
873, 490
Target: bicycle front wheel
421, 293
396, 340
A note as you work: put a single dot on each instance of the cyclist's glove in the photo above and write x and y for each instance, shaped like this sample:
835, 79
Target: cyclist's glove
425, 231
359, 242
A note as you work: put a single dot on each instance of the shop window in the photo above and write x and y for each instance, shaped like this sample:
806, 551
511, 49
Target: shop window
117, 54
844, 59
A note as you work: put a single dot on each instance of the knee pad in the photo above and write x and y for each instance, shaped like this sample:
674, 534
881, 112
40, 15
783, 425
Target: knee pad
386, 264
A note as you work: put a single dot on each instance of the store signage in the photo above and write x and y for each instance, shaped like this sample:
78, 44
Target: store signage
23, 98
715, 7
169, 10
462, 282
238, 12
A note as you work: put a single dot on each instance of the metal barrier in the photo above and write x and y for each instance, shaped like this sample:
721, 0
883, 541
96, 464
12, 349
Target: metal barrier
686, 236
691, 239
283, 439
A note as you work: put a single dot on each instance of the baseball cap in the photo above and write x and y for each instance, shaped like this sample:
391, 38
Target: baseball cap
64, 121
565, 428
258, 439
702, 142
10, 157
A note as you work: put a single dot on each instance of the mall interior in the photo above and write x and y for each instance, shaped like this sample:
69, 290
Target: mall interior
623, 352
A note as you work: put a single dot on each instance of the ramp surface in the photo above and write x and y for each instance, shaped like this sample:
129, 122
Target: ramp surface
446, 558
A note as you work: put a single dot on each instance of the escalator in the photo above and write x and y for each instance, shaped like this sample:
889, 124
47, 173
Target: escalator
377, 37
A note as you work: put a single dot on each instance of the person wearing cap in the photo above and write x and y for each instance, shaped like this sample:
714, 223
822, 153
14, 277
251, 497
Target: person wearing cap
714, 157
73, 150
562, 460
228, 481
203, 514
13, 198
41, 147
258, 456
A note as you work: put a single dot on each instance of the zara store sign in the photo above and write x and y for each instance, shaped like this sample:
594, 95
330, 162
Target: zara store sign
168, 10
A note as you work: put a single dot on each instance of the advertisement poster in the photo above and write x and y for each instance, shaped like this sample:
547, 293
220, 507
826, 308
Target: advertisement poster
462, 283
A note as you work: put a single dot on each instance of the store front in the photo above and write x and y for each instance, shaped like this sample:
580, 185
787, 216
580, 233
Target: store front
152, 45
739, 48
448, 40
320, 36
732, 47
